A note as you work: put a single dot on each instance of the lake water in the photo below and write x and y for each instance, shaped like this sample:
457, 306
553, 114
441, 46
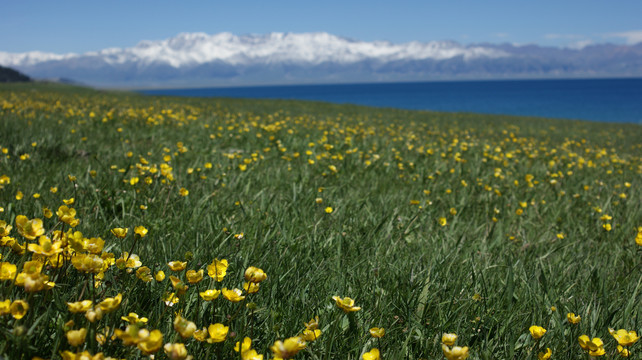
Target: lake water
608, 100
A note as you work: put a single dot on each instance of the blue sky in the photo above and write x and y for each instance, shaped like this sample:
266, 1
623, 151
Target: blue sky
80, 26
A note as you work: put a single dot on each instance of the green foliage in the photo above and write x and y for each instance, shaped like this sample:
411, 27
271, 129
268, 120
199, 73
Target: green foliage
523, 201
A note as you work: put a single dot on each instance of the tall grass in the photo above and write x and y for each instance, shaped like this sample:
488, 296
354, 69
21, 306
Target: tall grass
433, 223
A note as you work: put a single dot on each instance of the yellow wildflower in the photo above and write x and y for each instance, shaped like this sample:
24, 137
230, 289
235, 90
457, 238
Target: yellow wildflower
184, 327
624, 337
537, 331
119, 232
177, 265
288, 348
545, 355
151, 343
254, 274
18, 309
80, 306
110, 304
217, 269
175, 351
346, 304
217, 332
449, 339
234, 295
573, 319
76, 337
455, 353
29, 229
373, 354
376, 332
194, 277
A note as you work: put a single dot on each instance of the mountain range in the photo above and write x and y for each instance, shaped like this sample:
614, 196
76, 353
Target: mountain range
225, 59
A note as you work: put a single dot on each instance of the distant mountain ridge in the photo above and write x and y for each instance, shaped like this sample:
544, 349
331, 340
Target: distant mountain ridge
199, 59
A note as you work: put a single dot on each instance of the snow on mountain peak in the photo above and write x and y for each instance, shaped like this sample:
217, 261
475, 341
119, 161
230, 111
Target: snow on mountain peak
190, 49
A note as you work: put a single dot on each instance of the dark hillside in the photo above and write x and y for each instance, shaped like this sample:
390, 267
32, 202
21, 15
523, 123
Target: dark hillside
11, 75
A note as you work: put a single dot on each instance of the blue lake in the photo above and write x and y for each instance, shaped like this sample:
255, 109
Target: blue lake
608, 100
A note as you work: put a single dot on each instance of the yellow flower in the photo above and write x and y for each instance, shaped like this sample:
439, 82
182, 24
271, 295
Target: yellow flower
29, 229
183, 192
595, 346
455, 353
573, 319
312, 324
177, 265
5, 307
32, 267
68, 201
184, 327
67, 215
193, 277
46, 247
140, 231
160, 276
443, 221
18, 309
254, 274
80, 306
128, 261
110, 304
201, 334
346, 304
288, 348
209, 295
94, 314
133, 318
247, 344
217, 269
175, 351
151, 343
144, 273
119, 232
234, 295
76, 337
623, 352
7, 271
5, 229
623, 337
170, 299
329, 210
19, 195
449, 339
217, 332
87, 262
545, 355
537, 331
310, 335
251, 287
372, 355
376, 332
178, 285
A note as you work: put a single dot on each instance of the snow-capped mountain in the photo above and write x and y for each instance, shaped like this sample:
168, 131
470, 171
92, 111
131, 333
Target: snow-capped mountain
196, 59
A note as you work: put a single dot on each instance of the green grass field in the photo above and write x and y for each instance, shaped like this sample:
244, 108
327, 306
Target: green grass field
434, 223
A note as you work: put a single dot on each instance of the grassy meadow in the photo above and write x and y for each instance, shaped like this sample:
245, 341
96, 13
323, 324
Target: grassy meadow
138, 227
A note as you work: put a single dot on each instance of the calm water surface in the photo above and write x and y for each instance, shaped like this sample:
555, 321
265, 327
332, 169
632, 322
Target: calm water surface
609, 100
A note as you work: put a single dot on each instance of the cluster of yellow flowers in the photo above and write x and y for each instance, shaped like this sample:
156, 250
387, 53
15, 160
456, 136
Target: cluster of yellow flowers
452, 352
57, 253
594, 347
